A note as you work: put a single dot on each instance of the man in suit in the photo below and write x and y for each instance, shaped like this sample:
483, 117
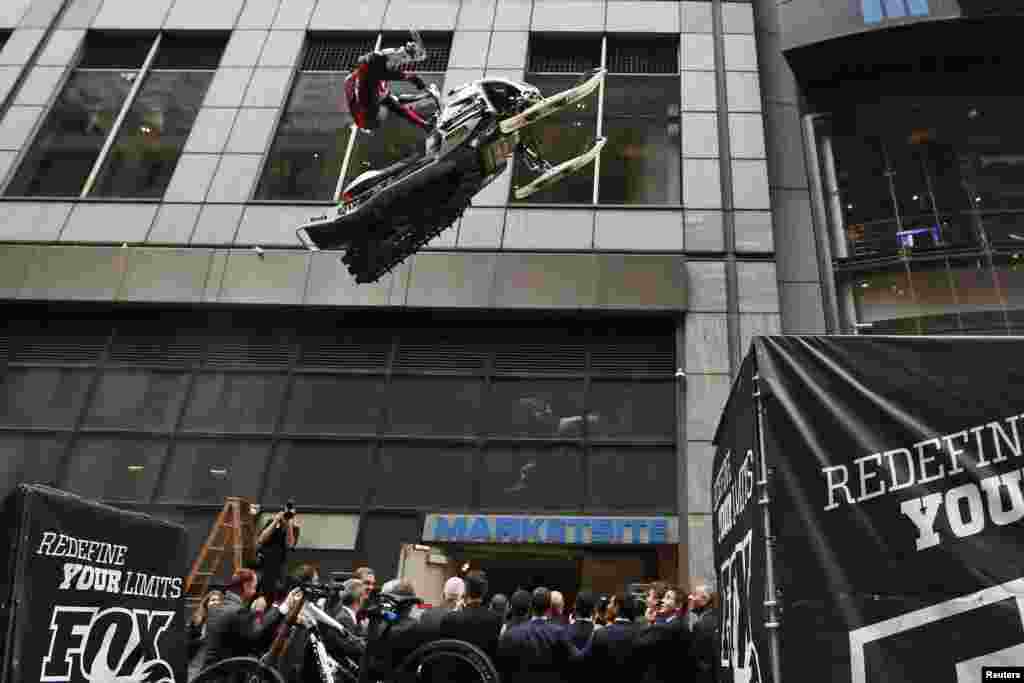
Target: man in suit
537, 651
582, 626
352, 599
233, 630
454, 589
663, 653
609, 656
474, 623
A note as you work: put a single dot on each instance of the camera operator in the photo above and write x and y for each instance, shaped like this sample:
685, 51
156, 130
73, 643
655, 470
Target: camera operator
278, 536
233, 630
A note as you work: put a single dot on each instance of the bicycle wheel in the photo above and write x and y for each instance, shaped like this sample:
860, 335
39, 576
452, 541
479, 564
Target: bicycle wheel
471, 663
238, 670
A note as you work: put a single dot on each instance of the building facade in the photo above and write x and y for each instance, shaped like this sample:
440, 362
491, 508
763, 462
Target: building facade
915, 173
560, 361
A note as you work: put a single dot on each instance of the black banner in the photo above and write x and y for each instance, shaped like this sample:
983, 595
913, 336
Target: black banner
897, 501
95, 593
739, 538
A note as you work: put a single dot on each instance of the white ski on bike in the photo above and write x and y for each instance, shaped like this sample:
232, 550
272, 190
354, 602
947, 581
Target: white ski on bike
553, 104
557, 173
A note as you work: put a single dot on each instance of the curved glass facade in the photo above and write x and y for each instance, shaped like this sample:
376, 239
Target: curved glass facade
922, 173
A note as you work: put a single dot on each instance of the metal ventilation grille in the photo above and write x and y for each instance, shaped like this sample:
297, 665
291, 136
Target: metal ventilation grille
333, 54
557, 55
653, 357
643, 56
455, 354
542, 359
345, 353
159, 347
58, 342
342, 54
249, 349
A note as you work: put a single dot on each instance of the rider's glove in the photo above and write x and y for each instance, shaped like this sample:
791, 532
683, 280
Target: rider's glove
417, 81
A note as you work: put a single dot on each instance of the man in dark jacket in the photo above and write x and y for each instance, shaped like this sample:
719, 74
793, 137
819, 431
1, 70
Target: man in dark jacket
232, 630
583, 623
663, 653
351, 601
474, 623
537, 651
704, 606
454, 590
609, 656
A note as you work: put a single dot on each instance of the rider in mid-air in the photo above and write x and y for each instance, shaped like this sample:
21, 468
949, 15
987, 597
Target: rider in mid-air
366, 88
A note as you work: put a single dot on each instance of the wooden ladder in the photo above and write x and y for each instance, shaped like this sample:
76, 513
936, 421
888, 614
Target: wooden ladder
233, 530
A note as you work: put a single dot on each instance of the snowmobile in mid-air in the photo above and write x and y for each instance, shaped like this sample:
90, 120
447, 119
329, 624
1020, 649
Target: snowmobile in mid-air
388, 214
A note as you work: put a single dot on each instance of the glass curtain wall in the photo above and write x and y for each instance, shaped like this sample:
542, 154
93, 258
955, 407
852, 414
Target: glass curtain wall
182, 408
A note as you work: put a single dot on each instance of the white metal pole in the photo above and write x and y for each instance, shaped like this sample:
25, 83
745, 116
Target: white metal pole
354, 130
600, 116
122, 115
772, 621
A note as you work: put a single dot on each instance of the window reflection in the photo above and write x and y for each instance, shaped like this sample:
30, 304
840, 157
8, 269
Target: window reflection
70, 140
562, 136
641, 162
153, 134
918, 173
305, 160
150, 136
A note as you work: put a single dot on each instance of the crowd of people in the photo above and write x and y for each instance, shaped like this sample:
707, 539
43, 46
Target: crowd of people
529, 636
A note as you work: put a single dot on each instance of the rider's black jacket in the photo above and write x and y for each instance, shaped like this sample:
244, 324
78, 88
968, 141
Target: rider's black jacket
232, 630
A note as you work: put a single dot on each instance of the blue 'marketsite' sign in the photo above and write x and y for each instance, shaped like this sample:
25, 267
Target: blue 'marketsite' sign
441, 528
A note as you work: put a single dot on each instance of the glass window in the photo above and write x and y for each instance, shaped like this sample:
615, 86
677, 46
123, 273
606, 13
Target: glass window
562, 136
884, 295
319, 473
532, 477
29, 459
139, 399
112, 468
631, 410
335, 404
314, 140
925, 172
549, 408
434, 405
641, 164
424, 475
43, 397
148, 142
234, 402
306, 157
633, 477
210, 470
70, 140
